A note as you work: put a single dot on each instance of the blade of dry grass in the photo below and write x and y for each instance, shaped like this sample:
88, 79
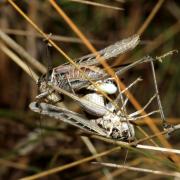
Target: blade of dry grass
97, 4
16, 165
144, 26
136, 143
117, 172
19, 61
93, 151
150, 17
53, 36
164, 173
157, 121
70, 165
123, 144
163, 37
22, 52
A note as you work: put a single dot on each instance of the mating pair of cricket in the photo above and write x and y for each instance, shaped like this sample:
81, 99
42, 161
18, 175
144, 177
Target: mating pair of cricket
88, 84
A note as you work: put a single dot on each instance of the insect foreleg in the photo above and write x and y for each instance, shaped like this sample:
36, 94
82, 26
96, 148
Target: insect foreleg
143, 116
118, 98
141, 110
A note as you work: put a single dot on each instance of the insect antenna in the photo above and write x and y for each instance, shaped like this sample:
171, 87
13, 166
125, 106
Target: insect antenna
49, 63
47, 75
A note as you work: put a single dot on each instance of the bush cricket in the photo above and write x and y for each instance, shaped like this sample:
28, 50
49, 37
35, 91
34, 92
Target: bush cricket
109, 121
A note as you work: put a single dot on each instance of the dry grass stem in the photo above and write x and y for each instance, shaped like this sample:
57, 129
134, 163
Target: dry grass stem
97, 4
22, 52
19, 61
164, 173
54, 37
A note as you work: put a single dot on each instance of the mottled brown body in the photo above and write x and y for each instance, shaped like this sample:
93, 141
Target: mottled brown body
72, 79
69, 77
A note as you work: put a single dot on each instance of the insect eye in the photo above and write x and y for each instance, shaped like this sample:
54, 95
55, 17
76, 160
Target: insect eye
115, 133
125, 134
115, 130
50, 71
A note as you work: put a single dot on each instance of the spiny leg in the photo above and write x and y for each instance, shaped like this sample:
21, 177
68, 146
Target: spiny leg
42, 95
145, 59
126, 100
146, 115
127, 88
120, 98
149, 59
124, 103
123, 108
165, 124
132, 84
141, 110
50, 95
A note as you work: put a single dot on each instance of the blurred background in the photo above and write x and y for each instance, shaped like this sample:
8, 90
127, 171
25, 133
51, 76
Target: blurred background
30, 143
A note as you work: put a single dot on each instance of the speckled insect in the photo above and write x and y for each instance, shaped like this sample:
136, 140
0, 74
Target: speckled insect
72, 79
111, 120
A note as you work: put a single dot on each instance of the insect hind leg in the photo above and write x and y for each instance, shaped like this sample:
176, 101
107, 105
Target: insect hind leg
164, 121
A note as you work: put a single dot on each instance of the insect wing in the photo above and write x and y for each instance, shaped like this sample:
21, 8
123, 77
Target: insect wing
111, 51
67, 116
90, 60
